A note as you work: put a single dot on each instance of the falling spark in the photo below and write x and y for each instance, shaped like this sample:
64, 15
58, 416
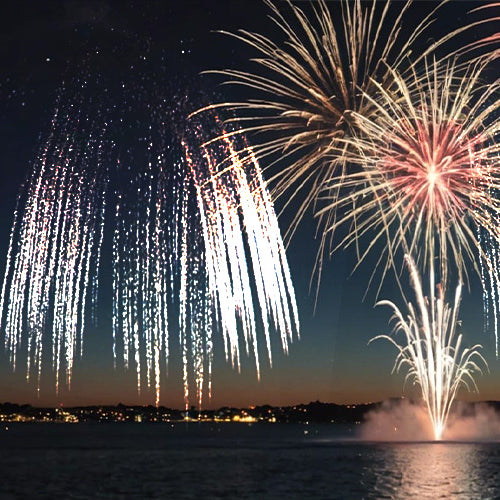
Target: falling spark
201, 220
54, 248
120, 152
141, 267
432, 351
233, 200
489, 260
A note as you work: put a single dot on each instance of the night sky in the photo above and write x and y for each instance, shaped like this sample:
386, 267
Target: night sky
47, 49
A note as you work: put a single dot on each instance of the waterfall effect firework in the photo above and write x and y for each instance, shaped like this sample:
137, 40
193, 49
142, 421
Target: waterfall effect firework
489, 257
141, 265
158, 267
183, 238
233, 200
489, 260
54, 251
196, 324
173, 233
432, 352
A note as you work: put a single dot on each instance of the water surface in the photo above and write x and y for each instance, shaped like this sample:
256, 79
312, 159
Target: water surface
235, 461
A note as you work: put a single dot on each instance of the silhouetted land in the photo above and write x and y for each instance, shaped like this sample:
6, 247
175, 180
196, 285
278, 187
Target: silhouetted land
316, 412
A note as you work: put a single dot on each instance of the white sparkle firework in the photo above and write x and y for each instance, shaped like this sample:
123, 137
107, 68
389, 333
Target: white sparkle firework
54, 248
489, 260
202, 217
233, 200
432, 351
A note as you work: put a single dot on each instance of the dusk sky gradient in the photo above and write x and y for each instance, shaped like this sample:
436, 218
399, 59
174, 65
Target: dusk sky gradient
42, 45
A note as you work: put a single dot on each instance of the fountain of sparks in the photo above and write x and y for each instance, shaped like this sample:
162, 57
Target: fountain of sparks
432, 351
55, 246
200, 212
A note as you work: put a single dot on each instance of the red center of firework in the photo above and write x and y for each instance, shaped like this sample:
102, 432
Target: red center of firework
432, 167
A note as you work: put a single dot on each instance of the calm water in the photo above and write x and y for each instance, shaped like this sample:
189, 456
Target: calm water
235, 461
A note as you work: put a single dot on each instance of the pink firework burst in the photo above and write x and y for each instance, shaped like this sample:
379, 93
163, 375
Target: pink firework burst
436, 170
430, 160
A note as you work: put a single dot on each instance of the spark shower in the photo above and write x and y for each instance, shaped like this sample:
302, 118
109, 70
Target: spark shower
225, 200
196, 250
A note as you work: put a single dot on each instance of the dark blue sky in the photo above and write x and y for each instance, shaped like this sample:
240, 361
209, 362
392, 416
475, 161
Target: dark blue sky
46, 47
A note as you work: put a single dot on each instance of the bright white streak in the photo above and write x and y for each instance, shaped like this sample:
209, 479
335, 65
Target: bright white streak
193, 225
233, 202
56, 235
432, 352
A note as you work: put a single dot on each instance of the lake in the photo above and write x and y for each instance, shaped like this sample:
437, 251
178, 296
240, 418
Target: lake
235, 460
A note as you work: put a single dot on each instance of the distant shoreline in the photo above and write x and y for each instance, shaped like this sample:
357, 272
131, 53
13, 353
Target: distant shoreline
313, 412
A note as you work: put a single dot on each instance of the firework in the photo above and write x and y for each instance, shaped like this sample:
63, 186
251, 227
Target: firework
489, 256
54, 251
198, 235
233, 200
159, 266
430, 168
195, 248
427, 189
432, 351
307, 87
401, 152
141, 261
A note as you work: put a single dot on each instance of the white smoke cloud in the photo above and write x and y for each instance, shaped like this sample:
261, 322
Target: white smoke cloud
406, 421
397, 421
478, 422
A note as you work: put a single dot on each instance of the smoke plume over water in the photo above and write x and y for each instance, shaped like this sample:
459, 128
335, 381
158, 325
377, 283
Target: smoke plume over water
407, 421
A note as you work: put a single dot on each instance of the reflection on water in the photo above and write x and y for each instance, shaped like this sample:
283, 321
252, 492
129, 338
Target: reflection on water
437, 470
236, 461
